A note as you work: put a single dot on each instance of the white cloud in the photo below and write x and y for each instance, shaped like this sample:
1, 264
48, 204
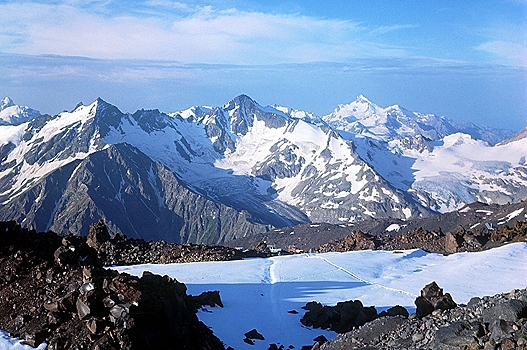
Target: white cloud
205, 35
514, 53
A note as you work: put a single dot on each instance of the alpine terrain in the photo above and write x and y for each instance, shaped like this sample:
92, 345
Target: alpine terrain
213, 174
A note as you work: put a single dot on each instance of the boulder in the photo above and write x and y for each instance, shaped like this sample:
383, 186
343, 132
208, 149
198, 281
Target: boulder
432, 298
251, 336
396, 310
423, 307
340, 318
209, 298
456, 336
510, 310
98, 234
451, 243
66, 256
499, 330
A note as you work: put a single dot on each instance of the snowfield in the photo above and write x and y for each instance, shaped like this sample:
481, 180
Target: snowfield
260, 293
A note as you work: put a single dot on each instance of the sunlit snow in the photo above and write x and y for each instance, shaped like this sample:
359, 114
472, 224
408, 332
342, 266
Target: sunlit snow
258, 293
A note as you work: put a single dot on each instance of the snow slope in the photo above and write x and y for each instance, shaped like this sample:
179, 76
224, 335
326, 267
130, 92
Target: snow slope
464, 170
258, 293
442, 164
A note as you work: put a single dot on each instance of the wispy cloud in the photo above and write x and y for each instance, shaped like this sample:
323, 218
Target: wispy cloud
389, 29
505, 41
191, 34
514, 53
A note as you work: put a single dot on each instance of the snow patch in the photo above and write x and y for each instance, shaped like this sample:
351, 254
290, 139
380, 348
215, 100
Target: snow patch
512, 215
393, 227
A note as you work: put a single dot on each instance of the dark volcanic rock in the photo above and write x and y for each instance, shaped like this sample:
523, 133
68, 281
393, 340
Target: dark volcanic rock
340, 318
458, 335
475, 326
451, 243
396, 310
511, 310
368, 334
432, 298
254, 334
120, 250
55, 290
97, 235
211, 299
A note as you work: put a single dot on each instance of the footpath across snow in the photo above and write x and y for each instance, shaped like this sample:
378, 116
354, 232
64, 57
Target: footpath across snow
266, 294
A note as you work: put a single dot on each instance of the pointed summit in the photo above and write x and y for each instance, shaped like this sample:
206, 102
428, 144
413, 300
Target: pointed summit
360, 109
241, 100
102, 103
6, 102
106, 109
363, 99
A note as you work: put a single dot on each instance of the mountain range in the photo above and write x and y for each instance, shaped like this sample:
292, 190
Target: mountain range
213, 174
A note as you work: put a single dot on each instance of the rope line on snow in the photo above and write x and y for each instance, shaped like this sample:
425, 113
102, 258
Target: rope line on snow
366, 281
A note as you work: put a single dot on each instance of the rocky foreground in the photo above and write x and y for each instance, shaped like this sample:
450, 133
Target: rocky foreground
54, 289
489, 322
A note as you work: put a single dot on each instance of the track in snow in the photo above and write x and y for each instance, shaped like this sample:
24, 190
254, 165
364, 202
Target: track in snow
363, 280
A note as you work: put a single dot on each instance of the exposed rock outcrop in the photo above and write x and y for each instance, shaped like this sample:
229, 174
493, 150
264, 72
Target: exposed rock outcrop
432, 241
55, 290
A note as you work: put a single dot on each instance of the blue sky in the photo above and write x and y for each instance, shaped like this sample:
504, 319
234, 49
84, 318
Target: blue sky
463, 59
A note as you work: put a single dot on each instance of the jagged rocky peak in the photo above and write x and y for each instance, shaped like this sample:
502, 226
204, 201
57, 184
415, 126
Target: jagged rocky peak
151, 119
105, 107
240, 101
243, 111
105, 115
99, 112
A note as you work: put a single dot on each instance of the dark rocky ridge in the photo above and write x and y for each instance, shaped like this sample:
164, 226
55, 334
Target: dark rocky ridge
432, 241
476, 227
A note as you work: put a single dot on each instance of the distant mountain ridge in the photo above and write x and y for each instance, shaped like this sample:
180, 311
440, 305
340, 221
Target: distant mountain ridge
11, 114
363, 117
443, 164
211, 174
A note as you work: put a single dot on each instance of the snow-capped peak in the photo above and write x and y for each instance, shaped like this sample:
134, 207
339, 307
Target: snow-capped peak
362, 99
361, 108
11, 114
6, 102
239, 101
